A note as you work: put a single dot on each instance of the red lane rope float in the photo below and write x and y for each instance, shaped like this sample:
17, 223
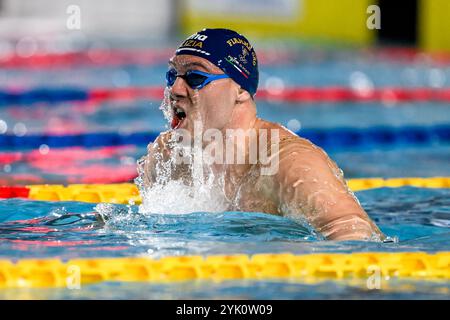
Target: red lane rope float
65, 156
10, 157
99, 95
84, 174
71, 165
124, 191
343, 94
410, 55
118, 57
14, 192
334, 94
297, 94
97, 57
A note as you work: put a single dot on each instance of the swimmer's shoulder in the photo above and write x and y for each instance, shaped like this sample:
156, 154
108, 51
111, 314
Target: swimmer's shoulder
290, 144
286, 136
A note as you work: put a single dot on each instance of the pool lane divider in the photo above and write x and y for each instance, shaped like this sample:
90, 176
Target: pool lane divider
330, 94
64, 155
123, 193
308, 268
329, 139
109, 57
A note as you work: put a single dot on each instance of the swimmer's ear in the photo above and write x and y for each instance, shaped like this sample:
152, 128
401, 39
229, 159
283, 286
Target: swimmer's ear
243, 95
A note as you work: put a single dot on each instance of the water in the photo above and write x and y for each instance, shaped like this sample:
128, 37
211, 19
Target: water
418, 217
264, 290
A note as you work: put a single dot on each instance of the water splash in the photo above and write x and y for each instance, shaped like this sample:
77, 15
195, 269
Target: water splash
177, 198
179, 189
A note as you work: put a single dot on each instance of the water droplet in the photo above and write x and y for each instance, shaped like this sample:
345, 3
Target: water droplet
294, 125
274, 85
360, 82
20, 129
26, 47
44, 149
3, 126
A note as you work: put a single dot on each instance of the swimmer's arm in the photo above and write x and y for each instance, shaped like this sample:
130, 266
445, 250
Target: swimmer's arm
310, 188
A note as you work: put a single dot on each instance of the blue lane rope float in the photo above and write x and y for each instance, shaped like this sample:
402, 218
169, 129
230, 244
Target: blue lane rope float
42, 95
329, 139
299, 94
87, 140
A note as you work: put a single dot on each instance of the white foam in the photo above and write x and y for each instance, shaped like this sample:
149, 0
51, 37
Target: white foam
175, 196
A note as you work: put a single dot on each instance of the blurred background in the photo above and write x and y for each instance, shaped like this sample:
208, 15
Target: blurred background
416, 23
81, 81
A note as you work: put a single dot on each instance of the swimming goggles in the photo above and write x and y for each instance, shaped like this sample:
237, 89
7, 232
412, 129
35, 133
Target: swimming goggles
194, 78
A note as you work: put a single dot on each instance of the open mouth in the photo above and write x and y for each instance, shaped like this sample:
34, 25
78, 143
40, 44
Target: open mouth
178, 116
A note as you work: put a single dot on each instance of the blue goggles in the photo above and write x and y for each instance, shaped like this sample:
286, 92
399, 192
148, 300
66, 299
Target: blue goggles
194, 78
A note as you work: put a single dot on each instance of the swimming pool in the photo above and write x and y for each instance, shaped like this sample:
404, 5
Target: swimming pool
70, 142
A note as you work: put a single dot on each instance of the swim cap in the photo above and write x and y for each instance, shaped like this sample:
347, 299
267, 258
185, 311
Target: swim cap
228, 50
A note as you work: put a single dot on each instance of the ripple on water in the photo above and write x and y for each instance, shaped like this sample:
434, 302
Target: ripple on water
418, 217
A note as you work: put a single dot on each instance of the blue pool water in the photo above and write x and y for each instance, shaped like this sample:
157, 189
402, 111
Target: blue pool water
418, 218
230, 290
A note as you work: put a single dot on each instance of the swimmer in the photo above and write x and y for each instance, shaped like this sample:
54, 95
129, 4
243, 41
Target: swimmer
212, 80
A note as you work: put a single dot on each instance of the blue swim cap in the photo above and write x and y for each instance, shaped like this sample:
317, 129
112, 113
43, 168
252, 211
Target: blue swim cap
228, 50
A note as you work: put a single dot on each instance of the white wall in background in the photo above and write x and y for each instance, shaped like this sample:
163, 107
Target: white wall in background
99, 17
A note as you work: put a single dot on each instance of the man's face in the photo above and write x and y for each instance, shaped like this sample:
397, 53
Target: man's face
212, 105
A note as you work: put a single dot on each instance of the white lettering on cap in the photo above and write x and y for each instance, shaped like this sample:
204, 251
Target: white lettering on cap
199, 37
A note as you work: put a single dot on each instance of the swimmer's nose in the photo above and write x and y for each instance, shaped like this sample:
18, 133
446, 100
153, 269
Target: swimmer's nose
179, 89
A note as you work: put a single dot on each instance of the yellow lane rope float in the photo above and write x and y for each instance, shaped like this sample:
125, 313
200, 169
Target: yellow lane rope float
122, 193
310, 268
112, 193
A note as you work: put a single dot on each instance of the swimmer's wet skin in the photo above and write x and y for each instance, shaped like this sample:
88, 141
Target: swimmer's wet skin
213, 78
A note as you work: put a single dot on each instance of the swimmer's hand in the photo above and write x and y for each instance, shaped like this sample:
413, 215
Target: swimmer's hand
350, 227
158, 165
157, 152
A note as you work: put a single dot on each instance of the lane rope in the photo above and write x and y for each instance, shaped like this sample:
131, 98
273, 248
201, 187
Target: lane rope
150, 56
329, 139
119, 57
311, 268
391, 95
124, 192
